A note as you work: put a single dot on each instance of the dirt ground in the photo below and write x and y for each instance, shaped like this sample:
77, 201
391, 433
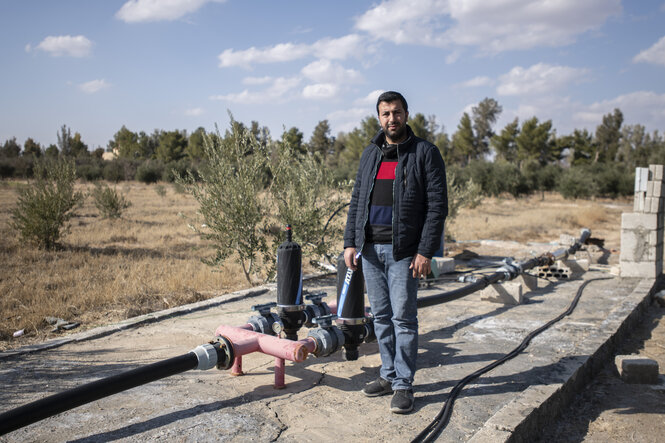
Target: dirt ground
609, 410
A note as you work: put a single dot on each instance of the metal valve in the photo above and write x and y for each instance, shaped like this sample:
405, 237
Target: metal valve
266, 322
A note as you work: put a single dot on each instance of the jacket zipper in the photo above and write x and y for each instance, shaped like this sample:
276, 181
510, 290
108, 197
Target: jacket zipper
367, 203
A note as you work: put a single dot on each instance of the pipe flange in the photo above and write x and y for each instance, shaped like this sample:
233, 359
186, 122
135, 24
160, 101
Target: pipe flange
291, 308
226, 348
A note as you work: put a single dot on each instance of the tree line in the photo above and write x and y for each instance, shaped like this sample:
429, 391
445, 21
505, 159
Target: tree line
521, 158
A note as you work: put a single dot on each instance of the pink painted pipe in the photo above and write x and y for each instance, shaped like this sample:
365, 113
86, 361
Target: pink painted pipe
245, 342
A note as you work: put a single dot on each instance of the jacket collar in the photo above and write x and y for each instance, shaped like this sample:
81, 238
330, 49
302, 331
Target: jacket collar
380, 137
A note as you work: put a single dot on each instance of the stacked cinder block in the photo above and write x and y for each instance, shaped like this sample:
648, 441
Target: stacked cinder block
642, 230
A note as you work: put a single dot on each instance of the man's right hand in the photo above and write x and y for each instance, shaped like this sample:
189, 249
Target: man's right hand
350, 258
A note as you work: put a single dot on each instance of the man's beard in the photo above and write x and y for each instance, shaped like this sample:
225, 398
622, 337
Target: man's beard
397, 134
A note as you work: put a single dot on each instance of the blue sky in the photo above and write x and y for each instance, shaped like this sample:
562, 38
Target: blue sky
180, 64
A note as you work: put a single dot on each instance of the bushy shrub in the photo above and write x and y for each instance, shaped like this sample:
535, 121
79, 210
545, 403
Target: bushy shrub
7, 168
108, 201
47, 204
576, 182
612, 180
175, 169
89, 172
496, 178
113, 171
150, 171
18, 167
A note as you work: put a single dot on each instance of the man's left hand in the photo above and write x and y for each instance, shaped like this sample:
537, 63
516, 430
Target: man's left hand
421, 266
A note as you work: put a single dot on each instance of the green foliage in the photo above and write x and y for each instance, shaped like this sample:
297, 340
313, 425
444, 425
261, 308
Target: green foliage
71, 146
10, 149
113, 171
497, 178
461, 194
504, 143
484, 116
305, 195
108, 201
535, 142
150, 171
47, 204
230, 194
321, 143
171, 146
462, 147
352, 146
576, 183
195, 144
126, 143
608, 136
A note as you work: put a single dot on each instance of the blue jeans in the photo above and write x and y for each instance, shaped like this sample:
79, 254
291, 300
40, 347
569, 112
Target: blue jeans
392, 293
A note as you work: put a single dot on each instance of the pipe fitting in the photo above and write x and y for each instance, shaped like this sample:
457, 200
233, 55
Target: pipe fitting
225, 354
206, 355
329, 339
318, 308
266, 322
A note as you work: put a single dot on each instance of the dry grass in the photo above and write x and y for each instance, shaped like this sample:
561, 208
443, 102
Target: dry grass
150, 260
107, 270
540, 220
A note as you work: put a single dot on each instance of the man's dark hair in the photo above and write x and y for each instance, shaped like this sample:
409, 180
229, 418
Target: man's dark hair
391, 96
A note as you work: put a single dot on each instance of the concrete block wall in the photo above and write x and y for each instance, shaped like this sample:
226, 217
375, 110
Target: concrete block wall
642, 230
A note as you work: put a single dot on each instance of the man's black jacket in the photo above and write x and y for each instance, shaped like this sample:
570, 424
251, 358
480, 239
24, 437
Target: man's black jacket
420, 199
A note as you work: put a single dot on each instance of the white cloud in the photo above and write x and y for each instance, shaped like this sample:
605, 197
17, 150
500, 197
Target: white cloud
134, 11
326, 71
539, 79
370, 99
94, 86
194, 112
477, 82
415, 22
345, 120
491, 25
337, 49
655, 54
278, 90
65, 45
320, 91
644, 107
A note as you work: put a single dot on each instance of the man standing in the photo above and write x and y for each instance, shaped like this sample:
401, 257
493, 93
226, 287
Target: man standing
395, 222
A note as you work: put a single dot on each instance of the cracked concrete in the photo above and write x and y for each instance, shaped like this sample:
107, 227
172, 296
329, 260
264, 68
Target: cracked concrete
321, 401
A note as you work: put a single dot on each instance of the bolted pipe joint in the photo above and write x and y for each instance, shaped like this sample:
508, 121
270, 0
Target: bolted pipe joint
266, 322
317, 308
329, 339
225, 353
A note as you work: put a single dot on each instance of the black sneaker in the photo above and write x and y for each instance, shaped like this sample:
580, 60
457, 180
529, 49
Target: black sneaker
377, 388
402, 401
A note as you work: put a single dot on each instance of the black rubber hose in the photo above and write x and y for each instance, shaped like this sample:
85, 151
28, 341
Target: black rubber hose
55, 404
444, 297
432, 431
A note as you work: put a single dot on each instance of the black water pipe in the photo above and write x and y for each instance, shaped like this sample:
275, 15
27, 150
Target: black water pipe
203, 357
507, 272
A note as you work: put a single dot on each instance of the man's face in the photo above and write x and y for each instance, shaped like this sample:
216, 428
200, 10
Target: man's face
392, 118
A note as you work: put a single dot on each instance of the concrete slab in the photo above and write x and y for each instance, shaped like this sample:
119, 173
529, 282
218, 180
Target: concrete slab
322, 399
